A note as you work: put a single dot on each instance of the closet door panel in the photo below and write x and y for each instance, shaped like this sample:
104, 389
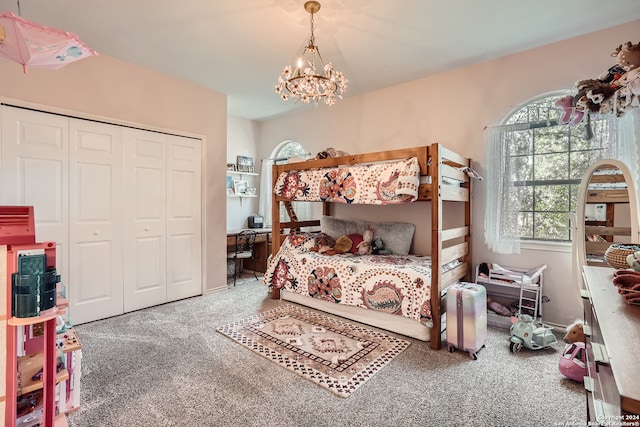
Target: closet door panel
145, 219
95, 215
184, 205
35, 164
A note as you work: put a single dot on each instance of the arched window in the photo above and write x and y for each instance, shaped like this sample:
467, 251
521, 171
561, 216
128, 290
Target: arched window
281, 154
535, 165
286, 150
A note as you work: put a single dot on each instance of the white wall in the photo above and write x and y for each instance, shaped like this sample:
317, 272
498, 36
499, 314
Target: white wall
453, 108
241, 141
106, 87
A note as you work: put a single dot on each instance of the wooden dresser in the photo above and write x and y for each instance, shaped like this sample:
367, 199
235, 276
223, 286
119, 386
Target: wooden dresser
613, 351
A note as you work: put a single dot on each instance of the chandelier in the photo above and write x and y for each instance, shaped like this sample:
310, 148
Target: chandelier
311, 79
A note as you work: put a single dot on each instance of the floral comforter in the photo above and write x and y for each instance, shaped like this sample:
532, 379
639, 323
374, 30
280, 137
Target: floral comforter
378, 183
396, 284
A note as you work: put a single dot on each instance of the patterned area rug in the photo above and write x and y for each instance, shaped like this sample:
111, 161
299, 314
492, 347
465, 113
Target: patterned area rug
335, 354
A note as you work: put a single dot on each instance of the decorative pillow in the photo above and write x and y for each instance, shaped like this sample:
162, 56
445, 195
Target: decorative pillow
396, 236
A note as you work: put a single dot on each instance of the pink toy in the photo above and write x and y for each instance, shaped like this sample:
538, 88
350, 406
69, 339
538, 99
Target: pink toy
573, 363
570, 114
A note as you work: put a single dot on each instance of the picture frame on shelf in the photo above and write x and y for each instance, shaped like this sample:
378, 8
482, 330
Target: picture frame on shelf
229, 186
245, 164
240, 187
231, 167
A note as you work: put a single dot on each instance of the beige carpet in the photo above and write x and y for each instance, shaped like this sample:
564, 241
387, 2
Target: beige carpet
335, 354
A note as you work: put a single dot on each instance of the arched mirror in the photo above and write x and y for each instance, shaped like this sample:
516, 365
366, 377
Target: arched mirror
607, 212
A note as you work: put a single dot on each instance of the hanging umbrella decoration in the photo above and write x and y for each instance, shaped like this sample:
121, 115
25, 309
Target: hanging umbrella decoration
35, 45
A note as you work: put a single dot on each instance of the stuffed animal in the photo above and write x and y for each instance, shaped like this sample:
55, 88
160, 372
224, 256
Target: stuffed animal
575, 332
364, 247
377, 247
570, 114
498, 308
343, 245
330, 152
628, 56
573, 360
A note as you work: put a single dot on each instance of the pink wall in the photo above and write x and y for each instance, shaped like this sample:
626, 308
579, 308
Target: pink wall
453, 108
122, 92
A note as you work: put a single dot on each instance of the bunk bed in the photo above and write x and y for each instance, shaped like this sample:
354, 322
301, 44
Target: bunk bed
607, 189
432, 174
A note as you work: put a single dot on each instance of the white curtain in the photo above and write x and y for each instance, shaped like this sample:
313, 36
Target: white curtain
502, 206
503, 199
266, 188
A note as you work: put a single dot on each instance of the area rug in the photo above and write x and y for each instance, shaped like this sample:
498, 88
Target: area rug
336, 354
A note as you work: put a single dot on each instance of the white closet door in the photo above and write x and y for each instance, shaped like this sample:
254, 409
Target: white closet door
145, 247
35, 166
184, 196
95, 218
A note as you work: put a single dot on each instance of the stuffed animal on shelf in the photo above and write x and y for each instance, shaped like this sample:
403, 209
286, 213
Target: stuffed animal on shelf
364, 247
628, 56
570, 115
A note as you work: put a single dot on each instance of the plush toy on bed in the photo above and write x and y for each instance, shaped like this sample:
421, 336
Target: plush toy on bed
364, 247
343, 245
377, 247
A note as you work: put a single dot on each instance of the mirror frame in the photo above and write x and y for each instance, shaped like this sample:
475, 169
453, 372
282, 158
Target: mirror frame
578, 238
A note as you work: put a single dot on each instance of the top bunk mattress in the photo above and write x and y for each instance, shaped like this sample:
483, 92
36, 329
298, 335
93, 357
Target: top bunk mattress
376, 183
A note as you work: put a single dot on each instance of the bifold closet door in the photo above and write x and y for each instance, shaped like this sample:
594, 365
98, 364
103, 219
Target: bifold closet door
162, 218
123, 206
184, 218
145, 224
95, 220
35, 172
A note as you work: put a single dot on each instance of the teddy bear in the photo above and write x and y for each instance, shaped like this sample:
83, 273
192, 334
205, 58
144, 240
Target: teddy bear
364, 247
342, 245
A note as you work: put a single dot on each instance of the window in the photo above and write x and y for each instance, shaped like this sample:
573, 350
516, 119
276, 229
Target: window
281, 154
535, 166
287, 150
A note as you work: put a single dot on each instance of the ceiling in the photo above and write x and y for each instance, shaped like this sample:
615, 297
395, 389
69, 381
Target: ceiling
239, 47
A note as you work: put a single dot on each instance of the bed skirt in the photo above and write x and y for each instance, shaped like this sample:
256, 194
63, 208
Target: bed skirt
391, 322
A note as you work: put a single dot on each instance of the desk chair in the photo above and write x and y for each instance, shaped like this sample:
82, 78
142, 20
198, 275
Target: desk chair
243, 250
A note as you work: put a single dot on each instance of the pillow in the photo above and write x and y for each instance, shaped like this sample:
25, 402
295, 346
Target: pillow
396, 236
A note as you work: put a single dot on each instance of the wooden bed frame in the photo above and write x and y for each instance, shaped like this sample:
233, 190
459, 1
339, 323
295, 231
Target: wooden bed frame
607, 229
447, 245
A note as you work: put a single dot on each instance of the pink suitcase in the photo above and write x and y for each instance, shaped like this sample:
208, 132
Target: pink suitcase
466, 317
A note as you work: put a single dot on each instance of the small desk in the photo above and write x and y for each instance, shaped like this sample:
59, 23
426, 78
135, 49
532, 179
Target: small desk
261, 249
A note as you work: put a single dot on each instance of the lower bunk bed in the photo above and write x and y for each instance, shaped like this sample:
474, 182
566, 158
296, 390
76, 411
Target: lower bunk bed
392, 290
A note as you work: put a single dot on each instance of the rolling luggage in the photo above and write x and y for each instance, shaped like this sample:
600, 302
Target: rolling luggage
466, 317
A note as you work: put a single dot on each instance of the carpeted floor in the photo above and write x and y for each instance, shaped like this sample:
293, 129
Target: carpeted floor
167, 366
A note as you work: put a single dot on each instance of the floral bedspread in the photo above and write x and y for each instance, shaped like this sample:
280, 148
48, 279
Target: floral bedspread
378, 183
397, 284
